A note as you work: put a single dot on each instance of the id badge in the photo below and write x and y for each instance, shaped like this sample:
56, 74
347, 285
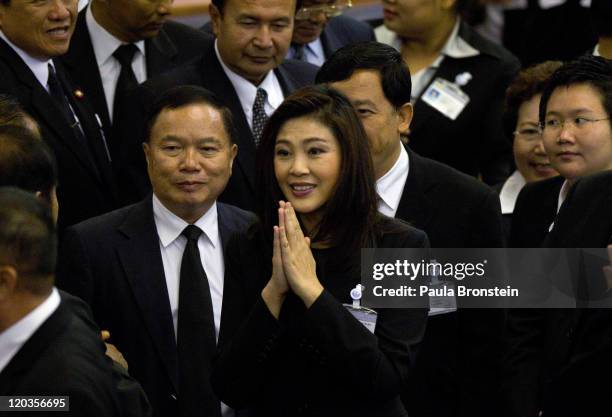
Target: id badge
442, 297
366, 316
446, 97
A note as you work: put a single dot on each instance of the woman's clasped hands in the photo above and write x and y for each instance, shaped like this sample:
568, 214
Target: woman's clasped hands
293, 266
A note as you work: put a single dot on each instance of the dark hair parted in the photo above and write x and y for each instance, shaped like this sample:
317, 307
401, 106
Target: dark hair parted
352, 208
528, 83
12, 113
26, 161
394, 73
590, 70
187, 95
27, 238
220, 4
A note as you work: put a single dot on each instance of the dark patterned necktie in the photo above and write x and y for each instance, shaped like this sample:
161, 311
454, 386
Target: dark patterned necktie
196, 342
259, 115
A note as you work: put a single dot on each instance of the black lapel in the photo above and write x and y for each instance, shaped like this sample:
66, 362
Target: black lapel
415, 206
33, 348
287, 80
214, 79
330, 41
160, 52
80, 60
141, 260
45, 110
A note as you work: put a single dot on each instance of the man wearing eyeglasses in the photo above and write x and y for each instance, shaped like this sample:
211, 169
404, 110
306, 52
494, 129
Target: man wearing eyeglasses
557, 358
320, 29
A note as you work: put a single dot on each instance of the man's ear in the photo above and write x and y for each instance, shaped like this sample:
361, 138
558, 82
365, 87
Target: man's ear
405, 113
8, 281
146, 148
215, 18
233, 152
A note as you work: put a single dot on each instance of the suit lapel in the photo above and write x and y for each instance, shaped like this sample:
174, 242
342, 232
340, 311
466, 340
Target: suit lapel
83, 66
160, 52
33, 348
330, 41
141, 260
415, 206
214, 79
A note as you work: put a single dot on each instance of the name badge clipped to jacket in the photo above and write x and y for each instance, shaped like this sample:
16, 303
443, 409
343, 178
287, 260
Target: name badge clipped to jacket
447, 97
366, 316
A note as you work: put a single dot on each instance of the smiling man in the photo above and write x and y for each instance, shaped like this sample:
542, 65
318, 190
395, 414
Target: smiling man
32, 33
118, 44
245, 66
161, 261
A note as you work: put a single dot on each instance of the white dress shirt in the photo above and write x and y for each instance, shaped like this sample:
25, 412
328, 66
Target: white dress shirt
562, 196
455, 47
172, 245
391, 185
510, 191
246, 91
104, 45
13, 338
38, 67
313, 53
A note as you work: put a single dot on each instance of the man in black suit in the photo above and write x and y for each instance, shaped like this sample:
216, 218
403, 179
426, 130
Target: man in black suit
320, 30
130, 265
45, 348
458, 359
111, 33
459, 84
243, 65
31, 35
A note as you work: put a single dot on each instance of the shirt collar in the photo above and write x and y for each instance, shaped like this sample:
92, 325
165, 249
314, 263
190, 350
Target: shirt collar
596, 51
315, 48
455, 46
13, 338
104, 44
390, 185
563, 194
246, 91
510, 191
38, 67
170, 226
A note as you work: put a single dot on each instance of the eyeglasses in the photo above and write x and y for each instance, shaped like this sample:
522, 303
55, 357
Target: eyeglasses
528, 133
554, 124
329, 10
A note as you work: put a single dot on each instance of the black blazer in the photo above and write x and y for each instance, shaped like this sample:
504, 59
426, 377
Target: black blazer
174, 45
344, 30
534, 212
208, 73
87, 186
475, 142
114, 263
584, 219
64, 357
459, 357
319, 361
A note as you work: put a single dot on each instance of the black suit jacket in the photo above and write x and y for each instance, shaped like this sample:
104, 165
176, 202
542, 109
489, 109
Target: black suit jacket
114, 263
174, 45
534, 212
459, 358
86, 181
474, 142
344, 30
64, 357
208, 73
318, 361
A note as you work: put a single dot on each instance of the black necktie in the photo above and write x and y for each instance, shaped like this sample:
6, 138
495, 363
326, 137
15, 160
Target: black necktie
57, 93
125, 84
298, 51
259, 115
196, 342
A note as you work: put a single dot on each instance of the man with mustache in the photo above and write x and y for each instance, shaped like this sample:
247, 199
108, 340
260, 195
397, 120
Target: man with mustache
31, 35
118, 44
244, 66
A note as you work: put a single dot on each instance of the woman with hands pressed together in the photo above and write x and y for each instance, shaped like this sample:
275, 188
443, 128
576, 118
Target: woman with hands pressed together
298, 349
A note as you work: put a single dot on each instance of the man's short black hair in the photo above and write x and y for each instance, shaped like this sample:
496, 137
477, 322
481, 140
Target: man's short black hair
26, 161
28, 238
220, 4
593, 71
394, 73
187, 95
11, 111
